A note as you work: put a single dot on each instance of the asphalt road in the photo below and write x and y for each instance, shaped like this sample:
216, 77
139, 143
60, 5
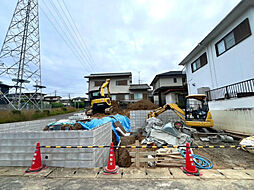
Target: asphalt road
7, 183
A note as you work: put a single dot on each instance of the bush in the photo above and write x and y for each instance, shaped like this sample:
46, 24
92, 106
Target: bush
18, 112
57, 105
46, 112
64, 109
27, 115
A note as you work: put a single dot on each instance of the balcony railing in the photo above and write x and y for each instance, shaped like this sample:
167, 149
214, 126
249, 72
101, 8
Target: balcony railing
237, 90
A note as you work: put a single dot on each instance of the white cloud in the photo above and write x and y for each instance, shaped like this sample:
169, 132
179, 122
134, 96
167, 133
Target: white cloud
150, 36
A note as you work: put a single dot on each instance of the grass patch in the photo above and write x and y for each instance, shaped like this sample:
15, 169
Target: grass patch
28, 115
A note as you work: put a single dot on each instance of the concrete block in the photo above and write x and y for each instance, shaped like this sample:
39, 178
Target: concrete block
134, 173
211, 174
158, 173
235, 174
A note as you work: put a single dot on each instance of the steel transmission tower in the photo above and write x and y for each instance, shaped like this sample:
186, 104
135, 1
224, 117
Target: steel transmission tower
20, 65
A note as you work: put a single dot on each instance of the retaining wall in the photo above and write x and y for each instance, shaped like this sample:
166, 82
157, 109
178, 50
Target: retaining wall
17, 148
138, 118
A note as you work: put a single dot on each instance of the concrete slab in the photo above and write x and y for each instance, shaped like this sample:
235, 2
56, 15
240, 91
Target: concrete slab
114, 176
63, 173
235, 174
134, 173
178, 173
86, 173
159, 173
43, 173
211, 174
250, 172
3, 169
14, 171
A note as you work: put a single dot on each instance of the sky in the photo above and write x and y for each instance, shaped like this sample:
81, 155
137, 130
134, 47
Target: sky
145, 37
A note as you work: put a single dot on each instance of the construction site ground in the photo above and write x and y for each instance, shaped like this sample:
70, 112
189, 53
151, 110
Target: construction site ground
226, 157
128, 178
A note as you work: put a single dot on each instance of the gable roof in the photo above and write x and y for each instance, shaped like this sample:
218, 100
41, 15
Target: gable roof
226, 21
167, 74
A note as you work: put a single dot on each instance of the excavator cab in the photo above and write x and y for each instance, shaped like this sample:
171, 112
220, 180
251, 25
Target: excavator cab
195, 114
196, 108
197, 111
100, 102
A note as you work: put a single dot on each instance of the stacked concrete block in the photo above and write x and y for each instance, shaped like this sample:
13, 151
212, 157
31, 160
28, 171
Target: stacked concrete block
36, 125
17, 148
138, 118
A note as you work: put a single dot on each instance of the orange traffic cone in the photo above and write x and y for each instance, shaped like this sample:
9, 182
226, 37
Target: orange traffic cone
111, 168
190, 165
36, 164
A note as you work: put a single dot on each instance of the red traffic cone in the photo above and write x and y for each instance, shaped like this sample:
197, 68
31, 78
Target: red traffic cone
36, 164
190, 165
111, 168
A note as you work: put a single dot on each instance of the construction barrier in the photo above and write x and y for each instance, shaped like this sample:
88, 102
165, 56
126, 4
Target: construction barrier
168, 146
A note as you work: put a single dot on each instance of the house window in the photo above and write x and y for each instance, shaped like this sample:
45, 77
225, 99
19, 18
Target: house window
120, 97
238, 34
138, 96
175, 80
121, 83
126, 96
98, 83
113, 97
200, 62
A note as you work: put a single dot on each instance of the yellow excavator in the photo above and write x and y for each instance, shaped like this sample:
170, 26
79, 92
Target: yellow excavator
196, 112
100, 102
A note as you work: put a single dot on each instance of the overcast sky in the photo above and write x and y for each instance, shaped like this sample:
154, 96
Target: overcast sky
146, 36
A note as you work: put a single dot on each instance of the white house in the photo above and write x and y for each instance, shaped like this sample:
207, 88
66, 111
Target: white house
169, 87
222, 64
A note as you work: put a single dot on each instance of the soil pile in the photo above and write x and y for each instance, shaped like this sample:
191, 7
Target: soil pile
116, 107
142, 105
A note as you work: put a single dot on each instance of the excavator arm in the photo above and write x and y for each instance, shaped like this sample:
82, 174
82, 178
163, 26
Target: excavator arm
105, 85
174, 107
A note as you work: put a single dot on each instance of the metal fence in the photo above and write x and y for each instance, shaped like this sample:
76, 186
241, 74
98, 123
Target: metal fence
237, 90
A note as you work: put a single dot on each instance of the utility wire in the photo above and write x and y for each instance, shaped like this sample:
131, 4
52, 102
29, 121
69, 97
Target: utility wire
83, 41
69, 31
62, 34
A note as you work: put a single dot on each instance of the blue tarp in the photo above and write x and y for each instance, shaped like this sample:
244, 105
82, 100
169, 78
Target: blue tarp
125, 121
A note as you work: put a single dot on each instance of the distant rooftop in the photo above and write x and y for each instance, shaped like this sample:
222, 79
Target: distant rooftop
52, 97
108, 75
167, 74
139, 87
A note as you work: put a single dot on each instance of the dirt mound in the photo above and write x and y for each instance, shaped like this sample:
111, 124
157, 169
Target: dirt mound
142, 105
123, 158
116, 107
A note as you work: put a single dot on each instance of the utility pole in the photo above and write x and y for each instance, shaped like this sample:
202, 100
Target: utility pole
69, 99
139, 81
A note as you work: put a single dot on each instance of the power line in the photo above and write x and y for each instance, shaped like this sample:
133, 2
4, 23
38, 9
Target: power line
61, 35
83, 41
70, 30
65, 37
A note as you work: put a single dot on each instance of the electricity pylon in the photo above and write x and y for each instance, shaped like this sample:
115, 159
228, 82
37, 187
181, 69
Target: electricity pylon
20, 65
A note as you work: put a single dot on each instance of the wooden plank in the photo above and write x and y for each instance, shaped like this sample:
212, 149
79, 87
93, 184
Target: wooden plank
137, 159
169, 164
133, 154
143, 160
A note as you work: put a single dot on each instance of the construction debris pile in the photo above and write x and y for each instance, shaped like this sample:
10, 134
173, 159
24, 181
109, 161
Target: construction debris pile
160, 134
